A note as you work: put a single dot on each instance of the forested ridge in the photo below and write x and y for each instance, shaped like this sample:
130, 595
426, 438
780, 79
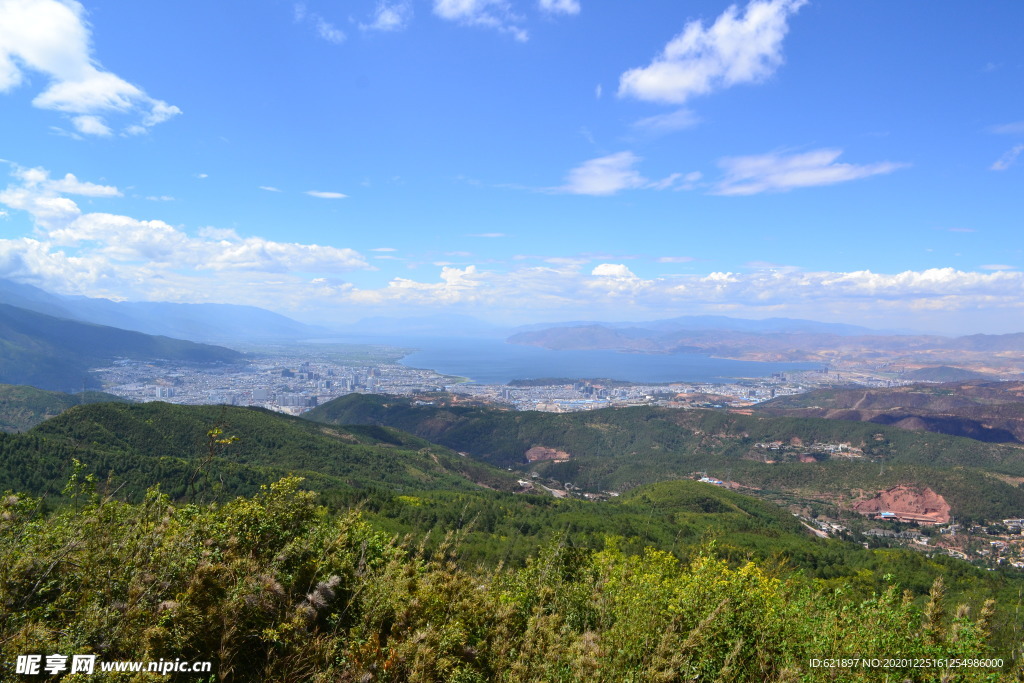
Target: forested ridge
157, 531
619, 449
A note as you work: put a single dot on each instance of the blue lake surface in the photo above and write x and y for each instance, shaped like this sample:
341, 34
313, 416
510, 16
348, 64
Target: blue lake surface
491, 361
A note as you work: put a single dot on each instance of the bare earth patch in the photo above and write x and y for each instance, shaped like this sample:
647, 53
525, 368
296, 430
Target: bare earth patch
907, 504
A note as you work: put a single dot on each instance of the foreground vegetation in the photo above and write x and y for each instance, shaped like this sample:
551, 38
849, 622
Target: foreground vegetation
274, 587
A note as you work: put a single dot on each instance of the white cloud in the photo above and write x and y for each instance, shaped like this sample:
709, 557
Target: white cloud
69, 184
1007, 160
779, 173
326, 195
494, 14
675, 259
329, 31
1015, 128
610, 174
160, 198
52, 38
269, 188
998, 266
390, 16
667, 123
105, 254
324, 29
735, 49
598, 90
616, 270
93, 125
384, 249
560, 6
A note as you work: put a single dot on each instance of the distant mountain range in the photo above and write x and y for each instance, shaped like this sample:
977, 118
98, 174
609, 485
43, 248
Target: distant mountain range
55, 353
197, 322
775, 339
715, 322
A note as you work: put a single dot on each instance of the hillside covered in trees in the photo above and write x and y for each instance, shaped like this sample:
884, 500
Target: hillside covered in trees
619, 449
284, 549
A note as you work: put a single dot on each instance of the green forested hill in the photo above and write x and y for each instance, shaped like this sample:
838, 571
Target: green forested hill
271, 588
622, 448
308, 588
985, 411
22, 407
145, 444
55, 353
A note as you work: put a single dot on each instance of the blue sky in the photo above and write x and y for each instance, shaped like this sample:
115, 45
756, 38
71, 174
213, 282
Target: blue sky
521, 160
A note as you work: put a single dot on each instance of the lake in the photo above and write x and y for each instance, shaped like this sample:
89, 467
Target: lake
492, 361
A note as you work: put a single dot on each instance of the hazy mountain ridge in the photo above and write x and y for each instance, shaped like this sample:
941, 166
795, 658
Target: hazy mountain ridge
197, 322
741, 345
56, 353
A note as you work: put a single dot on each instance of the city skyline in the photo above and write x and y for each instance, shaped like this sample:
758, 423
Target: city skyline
521, 161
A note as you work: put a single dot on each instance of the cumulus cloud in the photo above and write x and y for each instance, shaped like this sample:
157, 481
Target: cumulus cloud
52, 38
496, 14
390, 16
562, 289
609, 175
106, 254
560, 6
735, 49
1007, 160
779, 172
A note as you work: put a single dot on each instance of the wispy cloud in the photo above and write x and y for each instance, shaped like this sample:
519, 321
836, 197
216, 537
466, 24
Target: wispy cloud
667, 123
735, 49
1015, 128
496, 14
324, 29
779, 172
325, 195
390, 16
329, 31
675, 259
609, 175
1007, 160
269, 188
488, 234
560, 6
998, 266
384, 249
52, 38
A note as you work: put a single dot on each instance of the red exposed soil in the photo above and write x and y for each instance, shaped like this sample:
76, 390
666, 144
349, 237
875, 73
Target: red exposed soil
908, 504
541, 453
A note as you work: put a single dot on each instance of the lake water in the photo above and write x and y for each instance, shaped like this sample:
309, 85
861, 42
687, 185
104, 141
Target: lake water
490, 361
